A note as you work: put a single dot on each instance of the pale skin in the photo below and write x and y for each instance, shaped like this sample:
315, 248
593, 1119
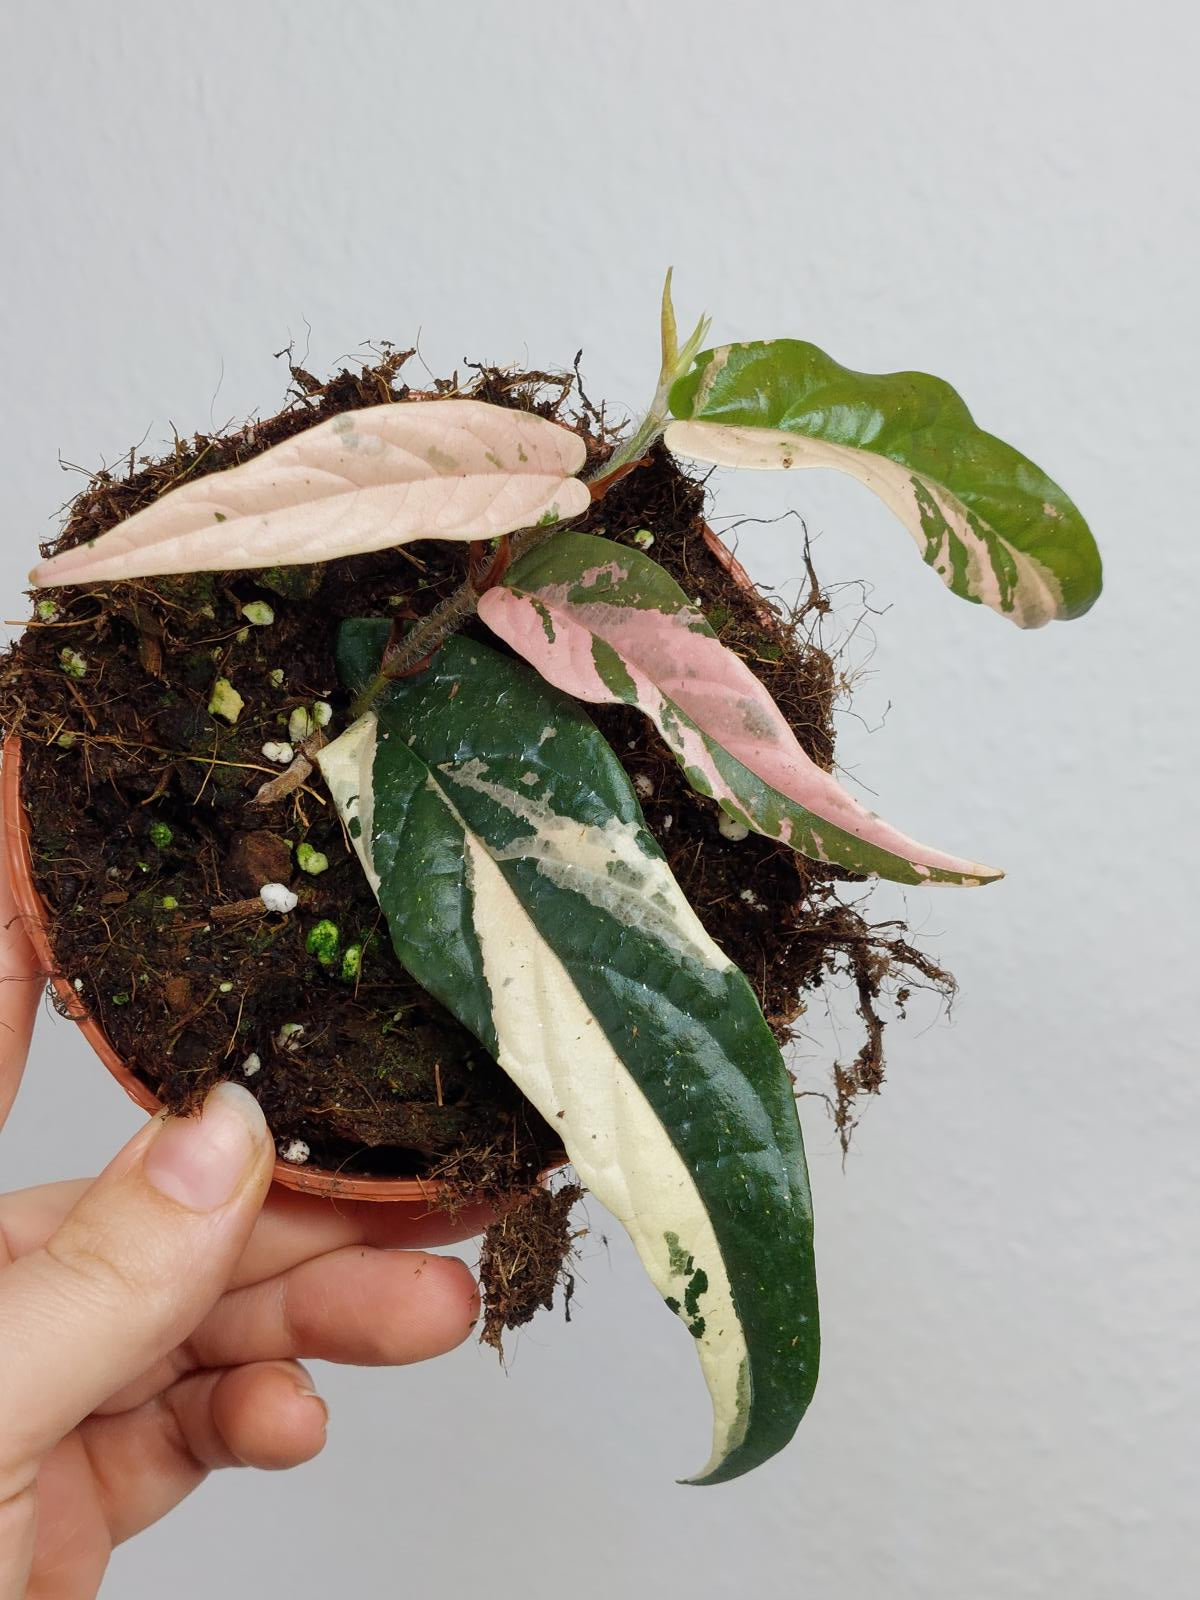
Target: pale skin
153, 1320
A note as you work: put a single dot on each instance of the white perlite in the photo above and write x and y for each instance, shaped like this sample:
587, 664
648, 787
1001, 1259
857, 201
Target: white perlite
297, 1152
252, 1064
732, 829
280, 751
277, 897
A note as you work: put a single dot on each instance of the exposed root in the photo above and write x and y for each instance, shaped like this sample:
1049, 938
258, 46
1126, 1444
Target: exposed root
525, 1258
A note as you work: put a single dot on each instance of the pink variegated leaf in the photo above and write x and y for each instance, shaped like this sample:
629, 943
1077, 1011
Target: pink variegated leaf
608, 625
361, 481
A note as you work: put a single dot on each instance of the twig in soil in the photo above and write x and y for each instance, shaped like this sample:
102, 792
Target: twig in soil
596, 416
238, 908
233, 1037
294, 776
287, 781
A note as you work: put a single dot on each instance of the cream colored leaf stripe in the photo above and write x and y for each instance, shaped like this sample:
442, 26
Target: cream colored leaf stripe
522, 889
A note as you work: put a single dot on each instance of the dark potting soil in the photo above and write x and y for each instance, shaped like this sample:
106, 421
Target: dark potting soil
149, 845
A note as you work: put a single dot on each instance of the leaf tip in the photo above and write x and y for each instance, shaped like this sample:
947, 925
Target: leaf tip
57, 570
975, 876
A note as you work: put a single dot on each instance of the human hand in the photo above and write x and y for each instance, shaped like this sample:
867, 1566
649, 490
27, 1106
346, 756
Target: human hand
151, 1321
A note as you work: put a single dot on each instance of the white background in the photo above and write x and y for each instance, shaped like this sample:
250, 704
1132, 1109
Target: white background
1002, 194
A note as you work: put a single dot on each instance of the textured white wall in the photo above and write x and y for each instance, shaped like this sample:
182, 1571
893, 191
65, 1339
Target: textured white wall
1008, 1405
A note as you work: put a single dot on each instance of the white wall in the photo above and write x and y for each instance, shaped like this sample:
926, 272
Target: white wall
998, 194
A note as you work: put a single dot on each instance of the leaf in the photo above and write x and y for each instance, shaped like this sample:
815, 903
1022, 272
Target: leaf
510, 857
361, 481
606, 624
993, 526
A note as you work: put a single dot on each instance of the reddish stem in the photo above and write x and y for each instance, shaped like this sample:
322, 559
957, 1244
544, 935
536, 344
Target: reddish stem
602, 485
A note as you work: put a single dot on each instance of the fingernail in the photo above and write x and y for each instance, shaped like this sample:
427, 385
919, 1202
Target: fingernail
201, 1161
311, 1394
304, 1388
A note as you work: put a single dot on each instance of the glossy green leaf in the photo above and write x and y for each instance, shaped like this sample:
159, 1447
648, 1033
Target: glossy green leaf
522, 889
990, 523
606, 624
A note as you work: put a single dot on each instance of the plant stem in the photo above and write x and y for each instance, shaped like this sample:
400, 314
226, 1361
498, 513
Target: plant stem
459, 607
675, 362
441, 622
648, 431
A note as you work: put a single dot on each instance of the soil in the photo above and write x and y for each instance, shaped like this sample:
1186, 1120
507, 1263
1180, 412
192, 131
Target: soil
526, 1259
149, 845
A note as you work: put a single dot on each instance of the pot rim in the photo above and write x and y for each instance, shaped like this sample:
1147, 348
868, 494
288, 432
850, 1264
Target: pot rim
422, 1192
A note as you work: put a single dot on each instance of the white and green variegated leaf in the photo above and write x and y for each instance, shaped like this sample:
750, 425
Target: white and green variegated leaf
606, 624
522, 889
991, 524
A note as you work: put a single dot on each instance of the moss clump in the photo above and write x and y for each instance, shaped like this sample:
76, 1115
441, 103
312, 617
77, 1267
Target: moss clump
311, 860
323, 941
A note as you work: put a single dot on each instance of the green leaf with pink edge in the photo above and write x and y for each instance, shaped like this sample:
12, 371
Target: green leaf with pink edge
361, 481
606, 624
991, 524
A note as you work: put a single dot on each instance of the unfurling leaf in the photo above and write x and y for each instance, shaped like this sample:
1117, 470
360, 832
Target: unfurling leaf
510, 857
993, 526
608, 625
361, 481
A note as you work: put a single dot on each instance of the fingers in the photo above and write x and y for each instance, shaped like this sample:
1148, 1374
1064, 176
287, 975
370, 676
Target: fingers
18, 1527
293, 1227
20, 987
267, 1416
368, 1307
297, 1227
133, 1268
354, 1306
147, 1460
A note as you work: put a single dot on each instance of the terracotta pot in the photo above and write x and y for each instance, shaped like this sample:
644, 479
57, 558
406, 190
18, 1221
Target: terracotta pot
415, 1196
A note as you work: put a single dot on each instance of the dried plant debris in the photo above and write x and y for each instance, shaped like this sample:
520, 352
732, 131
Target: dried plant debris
526, 1260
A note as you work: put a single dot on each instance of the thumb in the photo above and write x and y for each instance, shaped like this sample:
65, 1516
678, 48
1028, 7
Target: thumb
132, 1270
20, 989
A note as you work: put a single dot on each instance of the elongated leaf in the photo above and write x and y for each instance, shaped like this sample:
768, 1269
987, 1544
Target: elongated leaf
992, 525
509, 854
364, 480
608, 625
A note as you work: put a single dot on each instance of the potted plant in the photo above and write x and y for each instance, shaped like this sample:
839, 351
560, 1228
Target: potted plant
422, 760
